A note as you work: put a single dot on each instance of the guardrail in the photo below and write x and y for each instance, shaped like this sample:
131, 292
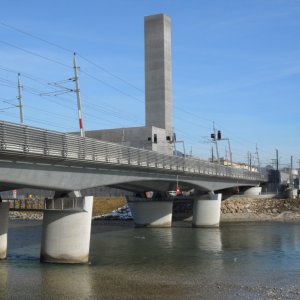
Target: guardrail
73, 204
25, 204
41, 145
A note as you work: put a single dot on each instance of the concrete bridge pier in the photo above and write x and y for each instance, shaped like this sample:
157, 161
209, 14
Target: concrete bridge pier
154, 212
4, 209
67, 230
207, 210
253, 191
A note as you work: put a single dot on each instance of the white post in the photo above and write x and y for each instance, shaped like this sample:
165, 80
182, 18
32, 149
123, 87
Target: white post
4, 209
216, 142
77, 90
20, 87
230, 153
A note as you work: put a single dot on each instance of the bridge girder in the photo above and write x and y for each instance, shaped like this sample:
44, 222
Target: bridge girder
68, 178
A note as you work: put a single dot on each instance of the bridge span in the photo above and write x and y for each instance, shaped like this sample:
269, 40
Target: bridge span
34, 157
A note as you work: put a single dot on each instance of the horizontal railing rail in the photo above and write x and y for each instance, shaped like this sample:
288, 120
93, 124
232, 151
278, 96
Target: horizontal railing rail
43, 145
77, 204
24, 204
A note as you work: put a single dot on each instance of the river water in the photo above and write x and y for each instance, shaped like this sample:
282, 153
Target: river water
235, 261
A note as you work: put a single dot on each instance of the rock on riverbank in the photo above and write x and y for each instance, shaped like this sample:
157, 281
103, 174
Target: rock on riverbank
25, 215
234, 209
260, 209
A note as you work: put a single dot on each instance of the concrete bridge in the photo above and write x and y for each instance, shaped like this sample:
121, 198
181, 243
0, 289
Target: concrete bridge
34, 157
65, 163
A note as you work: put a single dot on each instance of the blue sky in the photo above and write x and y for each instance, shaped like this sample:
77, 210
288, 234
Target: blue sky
236, 63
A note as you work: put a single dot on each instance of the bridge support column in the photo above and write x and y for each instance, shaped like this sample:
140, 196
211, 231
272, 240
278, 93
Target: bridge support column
67, 230
207, 211
253, 191
151, 213
4, 209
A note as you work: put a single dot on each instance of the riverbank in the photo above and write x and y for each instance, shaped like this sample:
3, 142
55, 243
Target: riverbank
260, 209
234, 209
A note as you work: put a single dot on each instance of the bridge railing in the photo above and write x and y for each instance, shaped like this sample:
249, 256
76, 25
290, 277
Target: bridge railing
74, 204
47, 146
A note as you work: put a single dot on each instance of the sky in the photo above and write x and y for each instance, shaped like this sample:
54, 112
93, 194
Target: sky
236, 64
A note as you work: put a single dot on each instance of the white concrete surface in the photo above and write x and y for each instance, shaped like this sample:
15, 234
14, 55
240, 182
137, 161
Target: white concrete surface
157, 135
158, 71
207, 211
138, 137
253, 191
4, 209
66, 235
151, 213
292, 193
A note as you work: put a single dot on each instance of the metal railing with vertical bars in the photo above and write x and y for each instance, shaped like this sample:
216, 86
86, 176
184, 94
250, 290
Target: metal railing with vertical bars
45, 146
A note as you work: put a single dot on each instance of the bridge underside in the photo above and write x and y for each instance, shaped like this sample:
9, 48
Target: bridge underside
68, 178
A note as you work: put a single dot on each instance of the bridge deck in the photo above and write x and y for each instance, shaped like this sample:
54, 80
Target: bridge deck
24, 143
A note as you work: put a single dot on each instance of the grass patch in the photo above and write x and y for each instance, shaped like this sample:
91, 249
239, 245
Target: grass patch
104, 205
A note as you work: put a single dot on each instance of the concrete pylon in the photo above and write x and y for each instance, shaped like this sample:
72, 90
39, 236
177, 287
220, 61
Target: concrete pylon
158, 72
151, 213
66, 231
207, 210
4, 210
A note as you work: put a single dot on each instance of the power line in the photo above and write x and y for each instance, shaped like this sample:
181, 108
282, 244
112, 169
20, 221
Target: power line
111, 86
35, 37
71, 51
37, 92
110, 73
236, 138
36, 54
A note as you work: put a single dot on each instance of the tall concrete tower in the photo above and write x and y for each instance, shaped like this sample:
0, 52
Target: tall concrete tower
158, 72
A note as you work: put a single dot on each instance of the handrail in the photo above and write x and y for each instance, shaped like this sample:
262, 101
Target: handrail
47, 146
73, 204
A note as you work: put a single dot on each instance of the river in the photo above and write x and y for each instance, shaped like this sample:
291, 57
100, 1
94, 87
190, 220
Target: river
235, 261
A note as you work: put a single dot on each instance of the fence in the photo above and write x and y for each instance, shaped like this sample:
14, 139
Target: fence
25, 204
46, 146
76, 204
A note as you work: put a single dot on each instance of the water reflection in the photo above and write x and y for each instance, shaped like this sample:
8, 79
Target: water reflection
161, 237
66, 281
261, 237
3, 280
208, 239
167, 263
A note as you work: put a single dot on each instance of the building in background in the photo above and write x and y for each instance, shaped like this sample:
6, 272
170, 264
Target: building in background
157, 134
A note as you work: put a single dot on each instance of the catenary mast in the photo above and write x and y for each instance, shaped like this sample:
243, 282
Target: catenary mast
77, 90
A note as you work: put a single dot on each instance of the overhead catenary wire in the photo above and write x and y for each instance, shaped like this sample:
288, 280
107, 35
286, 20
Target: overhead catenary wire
97, 65
240, 140
115, 112
35, 54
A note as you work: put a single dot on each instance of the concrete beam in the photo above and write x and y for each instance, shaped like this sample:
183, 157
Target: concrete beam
55, 177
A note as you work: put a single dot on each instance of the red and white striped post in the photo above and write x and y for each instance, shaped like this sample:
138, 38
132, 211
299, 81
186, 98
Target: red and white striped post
77, 90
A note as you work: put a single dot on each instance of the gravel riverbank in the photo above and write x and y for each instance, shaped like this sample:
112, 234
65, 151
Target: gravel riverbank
250, 209
234, 209
25, 215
